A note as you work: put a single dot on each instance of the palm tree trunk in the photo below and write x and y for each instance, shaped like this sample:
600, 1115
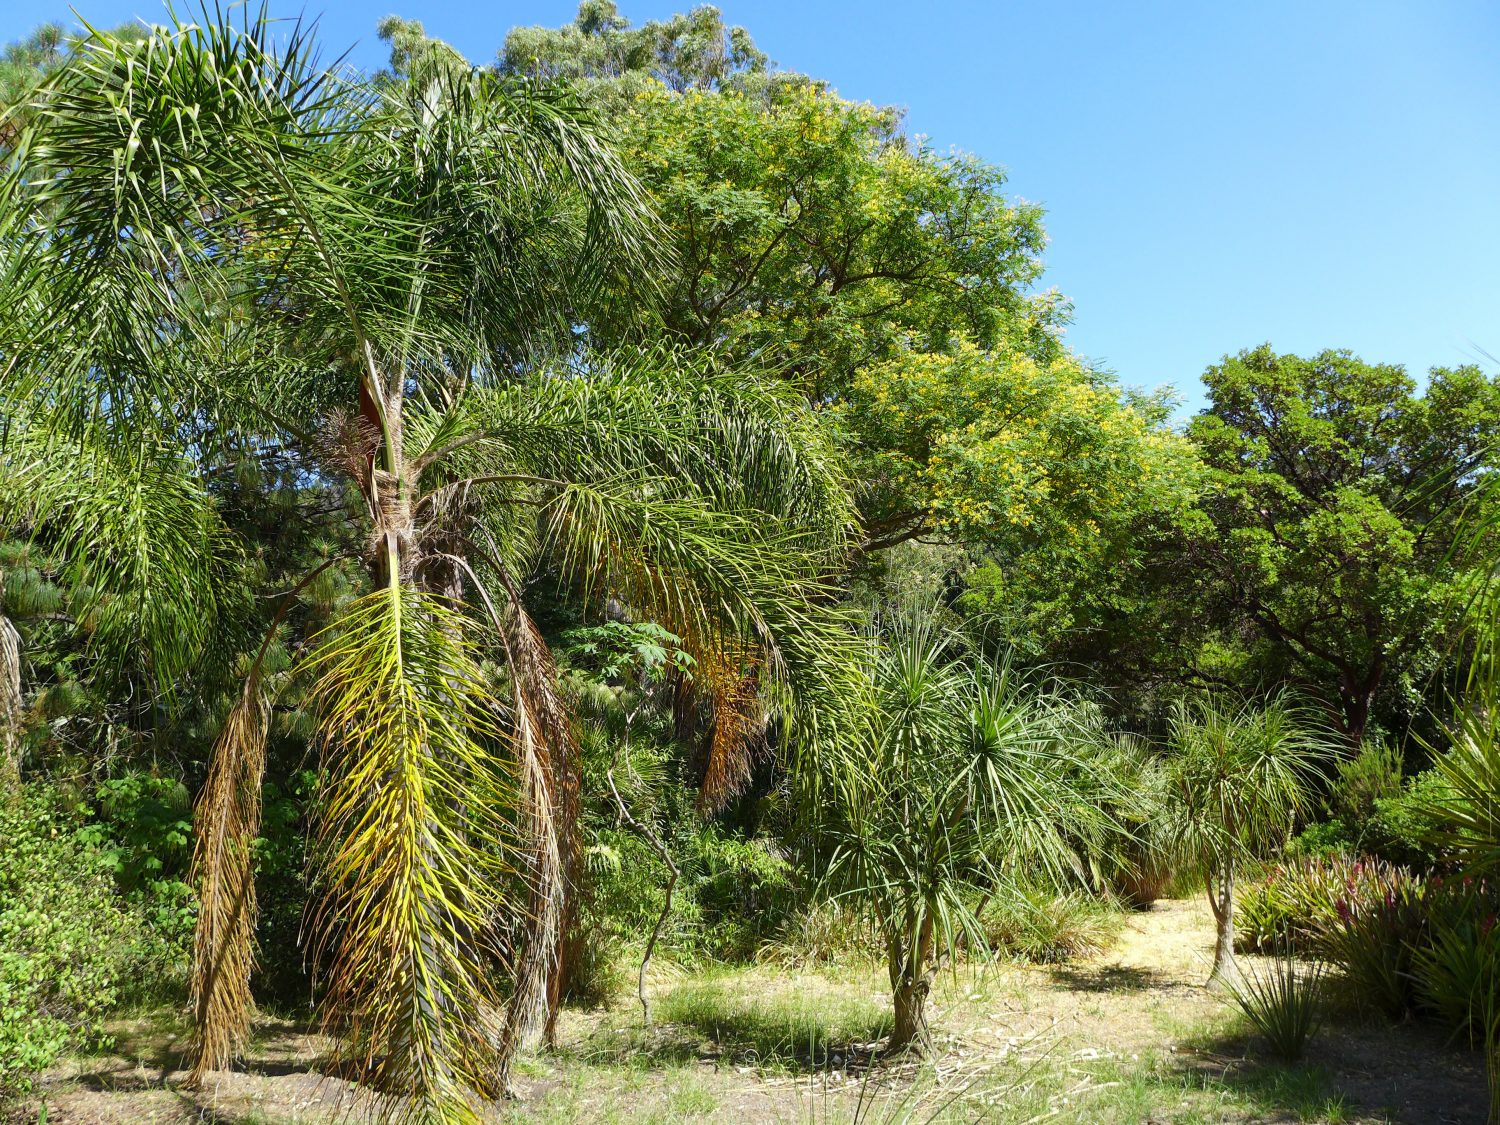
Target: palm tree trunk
911, 982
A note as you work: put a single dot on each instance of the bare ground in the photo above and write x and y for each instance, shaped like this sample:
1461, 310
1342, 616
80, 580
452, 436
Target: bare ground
1129, 1036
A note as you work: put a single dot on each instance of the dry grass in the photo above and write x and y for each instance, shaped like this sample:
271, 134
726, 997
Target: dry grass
1125, 1037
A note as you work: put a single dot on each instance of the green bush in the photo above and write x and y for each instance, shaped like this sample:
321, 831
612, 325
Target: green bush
1032, 924
1403, 827
1373, 774
1376, 941
69, 945
1295, 905
1397, 826
1325, 839
143, 831
1457, 968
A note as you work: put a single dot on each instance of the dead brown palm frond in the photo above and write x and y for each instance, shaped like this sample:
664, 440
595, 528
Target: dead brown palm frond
738, 727
542, 736
227, 820
538, 942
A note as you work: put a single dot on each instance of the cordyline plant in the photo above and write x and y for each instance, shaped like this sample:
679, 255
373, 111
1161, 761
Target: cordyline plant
212, 244
966, 784
1241, 775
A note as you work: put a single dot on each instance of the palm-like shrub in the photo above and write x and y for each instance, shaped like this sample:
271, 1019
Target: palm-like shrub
1282, 1000
1240, 774
213, 246
1148, 855
966, 784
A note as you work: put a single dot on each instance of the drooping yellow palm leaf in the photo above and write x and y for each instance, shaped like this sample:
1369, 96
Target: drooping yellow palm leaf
410, 833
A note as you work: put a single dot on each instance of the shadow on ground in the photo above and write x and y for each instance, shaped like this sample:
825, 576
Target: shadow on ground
1410, 1078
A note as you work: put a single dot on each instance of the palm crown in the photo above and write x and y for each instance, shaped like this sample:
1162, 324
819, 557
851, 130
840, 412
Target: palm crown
213, 243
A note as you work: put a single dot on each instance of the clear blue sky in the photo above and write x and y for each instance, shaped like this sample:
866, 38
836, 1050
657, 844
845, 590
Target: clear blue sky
1309, 172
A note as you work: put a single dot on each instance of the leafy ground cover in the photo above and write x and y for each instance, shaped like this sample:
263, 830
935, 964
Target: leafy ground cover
1129, 1035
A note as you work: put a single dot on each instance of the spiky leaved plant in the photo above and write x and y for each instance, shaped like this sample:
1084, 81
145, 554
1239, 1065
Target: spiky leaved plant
966, 782
1282, 1000
212, 243
1241, 774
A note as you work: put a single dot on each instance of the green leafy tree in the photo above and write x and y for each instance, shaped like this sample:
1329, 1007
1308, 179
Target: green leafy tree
213, 243
812, 234
1333, 512
696, 50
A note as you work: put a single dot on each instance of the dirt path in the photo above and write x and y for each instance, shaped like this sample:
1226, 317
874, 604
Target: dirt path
1129, 1036
1146, 996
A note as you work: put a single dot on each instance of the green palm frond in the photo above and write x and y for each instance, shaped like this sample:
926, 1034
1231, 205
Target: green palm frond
137, 534
1243, 772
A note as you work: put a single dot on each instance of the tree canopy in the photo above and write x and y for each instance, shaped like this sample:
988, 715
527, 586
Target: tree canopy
1336, 498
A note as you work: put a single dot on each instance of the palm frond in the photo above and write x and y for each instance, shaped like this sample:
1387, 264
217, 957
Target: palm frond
226, 823
138, 535
545, 751
410, 833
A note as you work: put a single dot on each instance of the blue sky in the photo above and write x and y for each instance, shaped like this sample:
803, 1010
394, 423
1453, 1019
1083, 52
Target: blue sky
1315, 173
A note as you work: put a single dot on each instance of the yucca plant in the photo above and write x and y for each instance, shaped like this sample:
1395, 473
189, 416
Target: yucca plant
211, 245
1283, 1001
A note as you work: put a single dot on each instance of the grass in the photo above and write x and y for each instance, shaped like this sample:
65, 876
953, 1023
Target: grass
1094, 1042
1031, 925
765, 1020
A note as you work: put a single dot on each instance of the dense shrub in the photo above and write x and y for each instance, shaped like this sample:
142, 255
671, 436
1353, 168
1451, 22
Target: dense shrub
1371, 775
70, 947
1037, 925
142, 829
1295, 905
1397, 827
1376, 941
1457, 967
1403, 827
1408, 944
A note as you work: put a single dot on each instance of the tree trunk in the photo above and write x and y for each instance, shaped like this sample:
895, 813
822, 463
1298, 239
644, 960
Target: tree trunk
911, 981
1357, 695
1226, 970
10, 705
665, 856
911, 1032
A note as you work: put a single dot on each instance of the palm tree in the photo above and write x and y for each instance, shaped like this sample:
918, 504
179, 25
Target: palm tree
965, 784
212, 243
1241, 775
